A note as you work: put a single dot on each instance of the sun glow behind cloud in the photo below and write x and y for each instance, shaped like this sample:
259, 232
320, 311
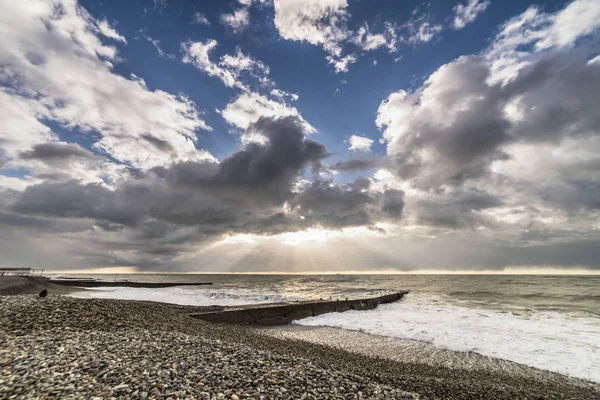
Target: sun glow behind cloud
309, 237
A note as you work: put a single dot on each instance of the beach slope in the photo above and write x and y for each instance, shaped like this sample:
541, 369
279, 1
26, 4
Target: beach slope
63, 347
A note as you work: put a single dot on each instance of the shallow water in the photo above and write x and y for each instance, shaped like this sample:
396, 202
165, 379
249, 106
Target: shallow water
548, 322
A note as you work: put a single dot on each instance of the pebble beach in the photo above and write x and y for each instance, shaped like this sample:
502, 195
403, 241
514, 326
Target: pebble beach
65, 348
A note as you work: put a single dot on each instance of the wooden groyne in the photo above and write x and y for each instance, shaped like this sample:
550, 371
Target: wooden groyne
271, 315
93, 284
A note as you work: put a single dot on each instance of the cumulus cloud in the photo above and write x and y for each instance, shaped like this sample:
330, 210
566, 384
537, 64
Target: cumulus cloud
342, 64
456, 125
236, 21
58, 151
230, 69
421, 31
280, 94
455, 209
540, 32
333, 206
61, 161
108, 31
247, 108
368, 41
94, 99
324, 23
319, 22
466, 13
360, 163
166, 211
245, 73
360, 143
252, 180
504, 143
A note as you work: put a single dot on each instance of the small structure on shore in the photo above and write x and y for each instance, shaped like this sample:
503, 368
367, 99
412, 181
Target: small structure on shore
15, 271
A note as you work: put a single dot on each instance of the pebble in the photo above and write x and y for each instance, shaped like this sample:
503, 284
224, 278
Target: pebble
72, 350
65, 348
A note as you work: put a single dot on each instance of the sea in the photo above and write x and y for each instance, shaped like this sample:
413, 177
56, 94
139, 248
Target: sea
547, 322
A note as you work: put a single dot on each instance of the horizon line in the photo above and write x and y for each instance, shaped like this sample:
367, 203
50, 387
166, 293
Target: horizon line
532, 271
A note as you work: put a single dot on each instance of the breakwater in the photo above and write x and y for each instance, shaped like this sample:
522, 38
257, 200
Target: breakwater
91, 283
283, 314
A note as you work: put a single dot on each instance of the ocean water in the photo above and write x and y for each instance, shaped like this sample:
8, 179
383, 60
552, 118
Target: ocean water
547, 322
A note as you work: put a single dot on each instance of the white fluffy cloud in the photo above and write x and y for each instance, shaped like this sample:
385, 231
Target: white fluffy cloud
468, 12
421, 31
55, 67
105, 29
230, 68
360, 143
249, 107
319, 22
368, 41
324, 23
238, 20
342, 64
20, 127
542, 31
280, 94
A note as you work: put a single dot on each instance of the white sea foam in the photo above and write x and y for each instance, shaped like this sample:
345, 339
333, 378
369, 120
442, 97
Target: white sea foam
185, 295
558, 342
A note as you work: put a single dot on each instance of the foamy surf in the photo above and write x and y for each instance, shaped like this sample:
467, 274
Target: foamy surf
185, 295
553, 341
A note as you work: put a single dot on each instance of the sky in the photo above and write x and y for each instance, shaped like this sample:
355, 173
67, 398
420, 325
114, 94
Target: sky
300, 135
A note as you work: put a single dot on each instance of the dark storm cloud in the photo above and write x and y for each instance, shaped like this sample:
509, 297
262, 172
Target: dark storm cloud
333, 206
195, 200
456, 209
258, 172
10, 221
276, 163
17, 220
71, 199
393, 203
108, 226
572, 195
360, 163
336, 206
51, 152
560, 94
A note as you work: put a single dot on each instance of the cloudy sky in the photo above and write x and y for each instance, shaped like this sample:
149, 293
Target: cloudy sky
299, 135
